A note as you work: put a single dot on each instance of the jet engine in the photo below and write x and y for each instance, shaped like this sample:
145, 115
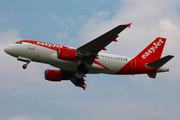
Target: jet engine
54, 75
66, 54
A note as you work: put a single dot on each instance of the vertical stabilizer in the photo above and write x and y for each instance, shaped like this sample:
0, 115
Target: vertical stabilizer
153, 51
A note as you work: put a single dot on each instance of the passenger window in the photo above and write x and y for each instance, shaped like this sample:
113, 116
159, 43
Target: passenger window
18, 42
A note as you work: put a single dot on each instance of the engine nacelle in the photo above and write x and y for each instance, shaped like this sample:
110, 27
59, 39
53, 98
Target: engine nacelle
54, 75
66, 54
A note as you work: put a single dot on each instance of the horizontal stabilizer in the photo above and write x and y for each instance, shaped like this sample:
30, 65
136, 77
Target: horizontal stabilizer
152, 75
160, 62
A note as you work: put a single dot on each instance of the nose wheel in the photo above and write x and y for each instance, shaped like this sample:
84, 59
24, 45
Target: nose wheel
27, 60
25, 65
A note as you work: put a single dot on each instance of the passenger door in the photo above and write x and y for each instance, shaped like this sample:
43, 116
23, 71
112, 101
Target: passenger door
31, 45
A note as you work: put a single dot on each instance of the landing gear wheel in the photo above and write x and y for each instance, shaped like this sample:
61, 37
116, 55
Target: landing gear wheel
24, 66
83, 68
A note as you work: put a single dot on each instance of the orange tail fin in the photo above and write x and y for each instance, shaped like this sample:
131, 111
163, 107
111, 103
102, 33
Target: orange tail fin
153, 51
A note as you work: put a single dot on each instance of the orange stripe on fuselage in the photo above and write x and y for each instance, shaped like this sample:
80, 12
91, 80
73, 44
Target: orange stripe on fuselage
139, 68
95, 62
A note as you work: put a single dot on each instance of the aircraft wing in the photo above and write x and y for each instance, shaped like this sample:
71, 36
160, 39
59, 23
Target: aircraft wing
82, 84
98, 44
90, 50
72, 77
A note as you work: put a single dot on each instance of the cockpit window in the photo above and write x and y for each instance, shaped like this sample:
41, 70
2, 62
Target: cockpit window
18, 42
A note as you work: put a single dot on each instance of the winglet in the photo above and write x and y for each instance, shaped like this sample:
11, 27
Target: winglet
129, 25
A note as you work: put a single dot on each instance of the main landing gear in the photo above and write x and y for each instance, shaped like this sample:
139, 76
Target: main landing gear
83, 69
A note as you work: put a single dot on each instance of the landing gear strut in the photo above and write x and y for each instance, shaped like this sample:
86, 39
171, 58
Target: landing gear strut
27, 60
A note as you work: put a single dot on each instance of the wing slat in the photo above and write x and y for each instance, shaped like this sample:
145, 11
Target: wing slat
103, 40
100, 43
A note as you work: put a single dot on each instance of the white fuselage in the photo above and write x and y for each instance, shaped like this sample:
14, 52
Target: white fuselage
107, 63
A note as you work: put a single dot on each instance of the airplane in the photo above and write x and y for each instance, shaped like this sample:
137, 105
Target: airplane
74, 63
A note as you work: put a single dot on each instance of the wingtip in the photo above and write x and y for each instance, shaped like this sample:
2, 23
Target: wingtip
129, 25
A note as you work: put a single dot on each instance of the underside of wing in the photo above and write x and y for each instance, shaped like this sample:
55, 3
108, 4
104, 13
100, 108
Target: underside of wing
77, 82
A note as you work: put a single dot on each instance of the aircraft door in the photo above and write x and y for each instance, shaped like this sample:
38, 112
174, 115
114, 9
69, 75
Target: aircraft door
133, 63
31, 45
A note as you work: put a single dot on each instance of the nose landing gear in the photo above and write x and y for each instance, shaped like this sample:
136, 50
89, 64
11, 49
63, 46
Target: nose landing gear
25, 65
27, 60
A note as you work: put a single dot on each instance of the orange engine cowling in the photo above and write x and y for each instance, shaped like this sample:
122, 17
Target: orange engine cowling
54, 75
66, 54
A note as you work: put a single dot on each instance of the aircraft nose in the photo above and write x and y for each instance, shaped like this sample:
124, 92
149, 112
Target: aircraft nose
12, 50
7, 49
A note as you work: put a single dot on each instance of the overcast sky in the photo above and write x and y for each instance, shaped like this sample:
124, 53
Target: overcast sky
26, 95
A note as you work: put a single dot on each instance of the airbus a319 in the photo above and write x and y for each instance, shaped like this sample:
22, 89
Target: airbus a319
74, 63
